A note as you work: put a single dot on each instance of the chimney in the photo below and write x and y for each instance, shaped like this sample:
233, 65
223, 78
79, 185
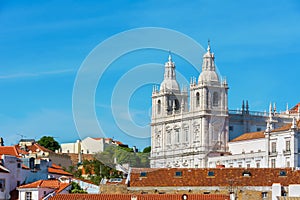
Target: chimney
1, 142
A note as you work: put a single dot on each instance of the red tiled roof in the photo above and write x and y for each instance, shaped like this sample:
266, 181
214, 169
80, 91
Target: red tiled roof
249, 136
199, 177
53, 184
258, 135
25, 167
295, 108
139, 196
42, 184
9, 150
60, 171
55, 166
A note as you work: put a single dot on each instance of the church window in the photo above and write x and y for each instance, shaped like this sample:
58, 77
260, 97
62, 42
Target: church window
186, 134
287, 145
177, 135
158, 107
273, 147
215, 99
169, 137
197, 99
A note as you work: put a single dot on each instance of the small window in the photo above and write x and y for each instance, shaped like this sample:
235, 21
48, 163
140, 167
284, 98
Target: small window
282, 173
264, 194
258, 129
2, 183
273, 163
215, 99
18, 183
288, 145
19, 165
246, 173
143, 174
178, 173
28, 196
230, 128
197, 99
158, 107
211, 173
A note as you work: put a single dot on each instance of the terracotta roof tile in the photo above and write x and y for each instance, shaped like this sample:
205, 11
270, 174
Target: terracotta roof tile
53, 184
200, 177
58, 171
249, 136
295, 108
139, 196
9, 150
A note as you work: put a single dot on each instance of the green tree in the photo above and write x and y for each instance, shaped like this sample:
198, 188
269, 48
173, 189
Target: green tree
49, 143
147, 149
75, 188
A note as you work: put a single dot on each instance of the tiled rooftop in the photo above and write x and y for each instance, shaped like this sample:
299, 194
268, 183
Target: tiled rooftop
9, 150
249, 136
53, 184
139, 197
166, 177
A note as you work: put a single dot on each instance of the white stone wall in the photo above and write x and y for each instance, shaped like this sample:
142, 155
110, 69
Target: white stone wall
247, 146
71, 147
91, 146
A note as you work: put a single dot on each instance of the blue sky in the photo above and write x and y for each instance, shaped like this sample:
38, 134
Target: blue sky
43, 44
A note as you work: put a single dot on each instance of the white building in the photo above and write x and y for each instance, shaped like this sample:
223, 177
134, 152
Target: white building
43, 189
183, 136
88, 145
197, 134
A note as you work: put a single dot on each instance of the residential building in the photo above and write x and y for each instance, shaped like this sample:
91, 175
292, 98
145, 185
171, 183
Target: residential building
89, 145
43, 189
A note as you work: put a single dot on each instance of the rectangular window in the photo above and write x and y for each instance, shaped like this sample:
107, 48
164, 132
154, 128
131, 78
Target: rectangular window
143, 174
287, 145
273, 147
288, 164
2, 184
264, 194
211, 173
178, 173
230, 128
258, 129
28, 196
257, 165
273, 163
248, 165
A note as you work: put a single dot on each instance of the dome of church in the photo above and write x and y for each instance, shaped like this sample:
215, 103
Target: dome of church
169, 85
208, 76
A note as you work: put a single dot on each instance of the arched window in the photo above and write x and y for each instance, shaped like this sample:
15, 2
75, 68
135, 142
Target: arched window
168, 136
158, 107
197, 99
215, 99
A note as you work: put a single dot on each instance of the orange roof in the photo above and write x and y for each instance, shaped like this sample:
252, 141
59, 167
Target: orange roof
55, 166
219, 177
60, 171
295, 108
140, 196
9, 150
42, 184
249, 136
25, 167
53, 184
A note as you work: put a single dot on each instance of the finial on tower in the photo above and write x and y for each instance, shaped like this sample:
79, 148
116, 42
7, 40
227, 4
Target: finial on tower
208, 45
170, 57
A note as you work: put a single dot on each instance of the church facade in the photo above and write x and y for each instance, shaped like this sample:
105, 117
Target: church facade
183, 133
196, 133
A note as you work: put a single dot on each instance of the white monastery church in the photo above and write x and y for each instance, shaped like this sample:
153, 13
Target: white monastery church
205, 133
